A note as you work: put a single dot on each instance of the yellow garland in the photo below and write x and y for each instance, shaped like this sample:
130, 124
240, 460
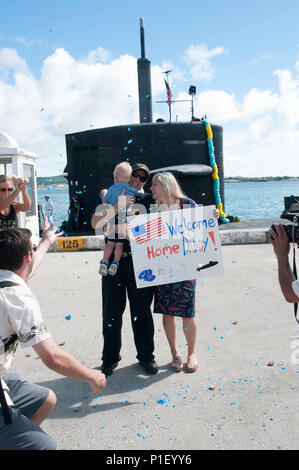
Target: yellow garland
215, 171
219, 207
209, 132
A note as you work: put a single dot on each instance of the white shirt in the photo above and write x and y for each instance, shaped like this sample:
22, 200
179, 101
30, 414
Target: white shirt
49, 206
295, 286
20, 319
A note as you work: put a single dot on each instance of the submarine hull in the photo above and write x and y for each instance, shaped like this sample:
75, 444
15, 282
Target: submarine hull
180, 148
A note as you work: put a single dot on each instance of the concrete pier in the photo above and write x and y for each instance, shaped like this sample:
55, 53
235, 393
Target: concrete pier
241, 233
244, 394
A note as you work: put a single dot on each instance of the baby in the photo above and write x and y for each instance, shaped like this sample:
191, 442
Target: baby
122, 175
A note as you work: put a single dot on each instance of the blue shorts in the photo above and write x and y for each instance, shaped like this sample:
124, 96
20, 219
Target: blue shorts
22, 434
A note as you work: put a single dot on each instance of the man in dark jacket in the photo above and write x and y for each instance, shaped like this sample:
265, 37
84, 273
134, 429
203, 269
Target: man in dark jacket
114, 291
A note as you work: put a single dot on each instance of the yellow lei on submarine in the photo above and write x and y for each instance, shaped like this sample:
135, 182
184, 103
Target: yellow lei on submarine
215, 172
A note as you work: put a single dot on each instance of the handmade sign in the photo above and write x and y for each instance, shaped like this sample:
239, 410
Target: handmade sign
175, 246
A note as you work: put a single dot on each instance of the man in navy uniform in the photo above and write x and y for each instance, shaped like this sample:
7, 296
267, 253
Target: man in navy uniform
114, 290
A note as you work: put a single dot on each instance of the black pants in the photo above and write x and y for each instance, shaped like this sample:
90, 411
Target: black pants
114, 290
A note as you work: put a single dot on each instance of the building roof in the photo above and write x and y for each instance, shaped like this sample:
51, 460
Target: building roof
6, 141
9, 146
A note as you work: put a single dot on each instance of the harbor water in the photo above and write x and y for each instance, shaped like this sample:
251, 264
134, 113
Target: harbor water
246, 200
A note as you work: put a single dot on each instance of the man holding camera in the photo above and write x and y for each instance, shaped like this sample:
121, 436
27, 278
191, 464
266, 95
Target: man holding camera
281, 245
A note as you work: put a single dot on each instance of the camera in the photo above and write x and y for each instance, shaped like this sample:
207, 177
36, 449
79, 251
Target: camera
291, 212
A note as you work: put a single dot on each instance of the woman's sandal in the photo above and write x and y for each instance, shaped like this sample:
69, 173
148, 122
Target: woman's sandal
192, 366
177, 364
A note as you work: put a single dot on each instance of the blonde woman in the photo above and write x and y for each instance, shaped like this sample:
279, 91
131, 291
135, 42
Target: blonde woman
177, 299
9, 208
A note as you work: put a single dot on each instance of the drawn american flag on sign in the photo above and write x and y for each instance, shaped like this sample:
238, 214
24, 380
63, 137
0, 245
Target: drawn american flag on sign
149, 230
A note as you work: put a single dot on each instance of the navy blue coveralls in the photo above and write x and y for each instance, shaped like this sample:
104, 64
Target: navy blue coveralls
114, 290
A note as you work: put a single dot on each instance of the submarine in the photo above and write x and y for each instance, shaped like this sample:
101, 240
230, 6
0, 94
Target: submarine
192, 151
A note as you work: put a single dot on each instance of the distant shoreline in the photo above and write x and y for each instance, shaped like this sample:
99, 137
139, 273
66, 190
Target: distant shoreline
51, 185
241, 179
44, 182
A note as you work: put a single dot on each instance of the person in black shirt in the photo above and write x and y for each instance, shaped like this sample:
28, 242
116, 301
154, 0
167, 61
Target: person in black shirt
9, 208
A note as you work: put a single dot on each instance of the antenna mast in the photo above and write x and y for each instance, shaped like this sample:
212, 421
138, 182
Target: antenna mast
144, 82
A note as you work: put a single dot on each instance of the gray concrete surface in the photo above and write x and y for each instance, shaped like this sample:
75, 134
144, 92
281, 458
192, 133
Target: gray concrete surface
235, 400
245, 232
260, 224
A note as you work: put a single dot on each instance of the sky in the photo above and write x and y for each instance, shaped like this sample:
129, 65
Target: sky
70, 65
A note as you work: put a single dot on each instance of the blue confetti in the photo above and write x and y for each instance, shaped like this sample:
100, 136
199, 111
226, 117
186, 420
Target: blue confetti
147, 275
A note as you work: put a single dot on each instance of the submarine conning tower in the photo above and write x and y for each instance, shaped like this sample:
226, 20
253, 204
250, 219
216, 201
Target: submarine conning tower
177, 147
180, 148
144, 82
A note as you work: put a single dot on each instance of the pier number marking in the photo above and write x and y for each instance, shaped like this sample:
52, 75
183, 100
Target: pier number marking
71, 243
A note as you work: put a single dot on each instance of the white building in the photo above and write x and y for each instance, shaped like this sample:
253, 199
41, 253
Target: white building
19, 162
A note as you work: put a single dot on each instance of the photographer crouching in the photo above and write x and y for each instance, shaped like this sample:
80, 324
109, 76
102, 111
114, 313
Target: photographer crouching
25, 405
282, 236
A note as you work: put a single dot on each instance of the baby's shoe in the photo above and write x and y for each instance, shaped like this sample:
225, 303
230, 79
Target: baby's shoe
103, 268
113, 268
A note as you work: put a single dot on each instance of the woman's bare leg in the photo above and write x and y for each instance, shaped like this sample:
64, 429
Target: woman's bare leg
190, 329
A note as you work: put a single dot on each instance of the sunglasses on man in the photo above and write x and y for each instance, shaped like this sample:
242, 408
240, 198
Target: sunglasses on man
4, 190
141, 178
34, 248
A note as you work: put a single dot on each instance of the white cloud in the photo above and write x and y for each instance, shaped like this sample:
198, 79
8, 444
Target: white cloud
70, 95
223, 107
28, 42
199, 59
260, 127
10, 59
261, 57
261, 130
99, 55
289, 96
219, 105
263, 146
258, 102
